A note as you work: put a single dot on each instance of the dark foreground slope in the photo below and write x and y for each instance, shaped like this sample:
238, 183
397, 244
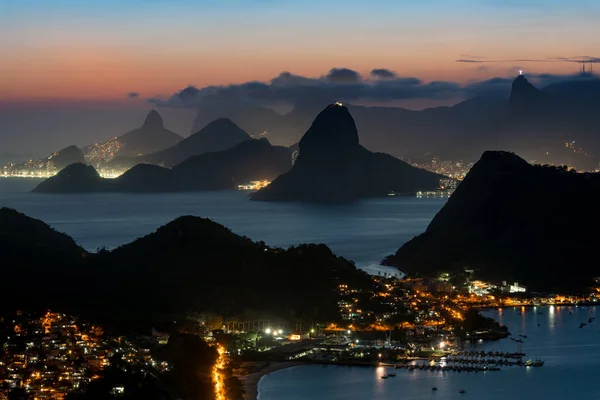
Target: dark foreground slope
250, 160
191, 265
510, 220
333, 167
30, 252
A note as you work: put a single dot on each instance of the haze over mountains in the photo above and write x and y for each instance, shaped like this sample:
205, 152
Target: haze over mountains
511, 220
533, 122
331, 167
220, 134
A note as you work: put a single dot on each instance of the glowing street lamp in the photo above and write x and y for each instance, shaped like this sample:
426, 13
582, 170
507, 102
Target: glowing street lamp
268, 331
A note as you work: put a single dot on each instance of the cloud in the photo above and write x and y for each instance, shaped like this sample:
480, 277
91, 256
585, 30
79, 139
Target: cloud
343, 75
343, 84
339, 84
133, 95
382, 73
577, 59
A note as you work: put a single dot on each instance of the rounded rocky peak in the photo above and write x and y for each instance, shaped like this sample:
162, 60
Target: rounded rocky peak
333, 128
153, 120
494, 161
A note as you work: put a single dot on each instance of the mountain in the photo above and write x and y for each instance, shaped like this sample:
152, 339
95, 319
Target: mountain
509, 220
30, 253
251, 160
218, 135
333, 167
152, 136
248, 161
191, 265
67, 156
254, 119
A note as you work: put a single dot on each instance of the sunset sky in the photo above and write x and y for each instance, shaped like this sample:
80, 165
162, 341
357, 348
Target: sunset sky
61, 51
103, 49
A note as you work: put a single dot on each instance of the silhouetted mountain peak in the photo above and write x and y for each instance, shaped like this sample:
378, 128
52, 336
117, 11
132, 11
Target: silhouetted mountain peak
221, 124
526, 100
154, 120
521, 86
334, 128
500, 161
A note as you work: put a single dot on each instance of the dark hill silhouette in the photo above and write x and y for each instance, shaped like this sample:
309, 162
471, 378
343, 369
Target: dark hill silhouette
191, 265
218, 135
67, 156
30, 254
333, 167
75, 178
251, 160
248, 161
510, 220
152, 136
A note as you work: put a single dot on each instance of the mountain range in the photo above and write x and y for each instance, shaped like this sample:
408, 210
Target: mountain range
533, 122
220, 134
332, 166
512, 220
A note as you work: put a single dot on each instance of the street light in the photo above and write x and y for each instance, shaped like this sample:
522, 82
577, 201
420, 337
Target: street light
268, 330
349, 331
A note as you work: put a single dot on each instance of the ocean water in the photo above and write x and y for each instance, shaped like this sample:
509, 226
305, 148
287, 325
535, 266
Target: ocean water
364, 232
571, 355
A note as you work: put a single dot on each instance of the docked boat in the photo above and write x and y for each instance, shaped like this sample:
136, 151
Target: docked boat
384, 376
528, 363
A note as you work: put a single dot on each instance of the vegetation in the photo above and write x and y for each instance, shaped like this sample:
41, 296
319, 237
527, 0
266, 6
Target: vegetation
512, 221
189, 267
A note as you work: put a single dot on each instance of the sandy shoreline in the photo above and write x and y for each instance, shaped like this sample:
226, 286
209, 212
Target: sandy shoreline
251, 380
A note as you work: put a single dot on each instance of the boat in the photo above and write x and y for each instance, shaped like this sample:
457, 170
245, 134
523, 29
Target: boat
538, 363
434, 388
384, 376
462, 391
391, 374
582, 325
528, 363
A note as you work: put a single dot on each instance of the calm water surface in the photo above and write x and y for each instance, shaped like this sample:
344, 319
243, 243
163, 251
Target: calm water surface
364, 232
572, 357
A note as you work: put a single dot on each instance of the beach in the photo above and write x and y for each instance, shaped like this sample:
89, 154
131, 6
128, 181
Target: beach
256, 371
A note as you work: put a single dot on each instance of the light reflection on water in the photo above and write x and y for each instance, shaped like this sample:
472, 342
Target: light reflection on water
571, 355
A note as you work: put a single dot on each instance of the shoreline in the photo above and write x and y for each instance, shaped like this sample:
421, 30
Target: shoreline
251, 381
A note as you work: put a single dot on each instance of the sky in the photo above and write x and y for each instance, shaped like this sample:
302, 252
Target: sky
120, 53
